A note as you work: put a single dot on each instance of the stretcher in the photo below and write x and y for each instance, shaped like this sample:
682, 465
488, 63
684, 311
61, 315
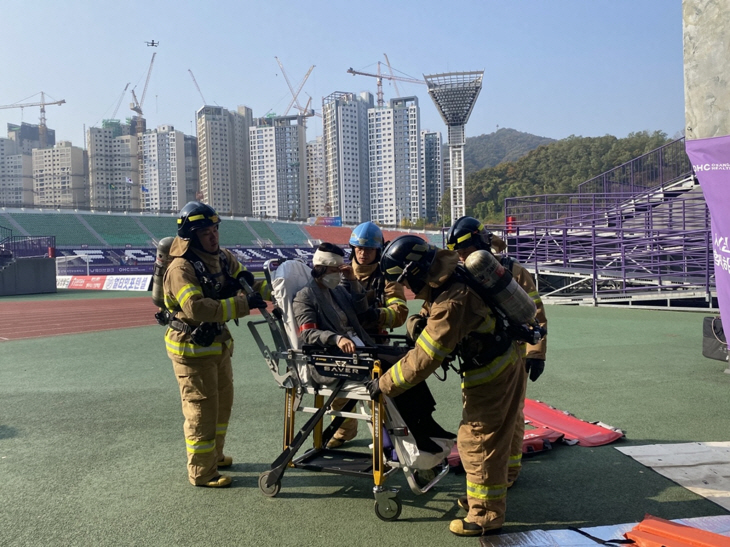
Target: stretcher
311, 373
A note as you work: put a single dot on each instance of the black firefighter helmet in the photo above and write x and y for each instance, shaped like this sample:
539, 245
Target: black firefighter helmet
194, 216
468, 231
408, 258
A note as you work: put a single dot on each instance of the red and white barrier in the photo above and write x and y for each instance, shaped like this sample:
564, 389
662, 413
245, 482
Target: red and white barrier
104, 282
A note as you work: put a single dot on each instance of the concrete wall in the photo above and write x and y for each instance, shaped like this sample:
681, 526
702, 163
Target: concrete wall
28, 276
706, 30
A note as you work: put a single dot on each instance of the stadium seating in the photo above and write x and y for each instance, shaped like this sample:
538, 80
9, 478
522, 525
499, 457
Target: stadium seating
289, 234
160, 226
332, 234
118, 230
67, 228
235, 232
262, 230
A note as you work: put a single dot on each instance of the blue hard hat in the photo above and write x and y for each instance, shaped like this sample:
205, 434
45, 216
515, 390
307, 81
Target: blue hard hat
367, 235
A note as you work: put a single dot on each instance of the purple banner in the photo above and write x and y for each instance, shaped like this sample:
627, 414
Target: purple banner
711, 163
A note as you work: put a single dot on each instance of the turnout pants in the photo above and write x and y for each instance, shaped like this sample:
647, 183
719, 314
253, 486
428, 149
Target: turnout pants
515, 456
206, 391
484, 441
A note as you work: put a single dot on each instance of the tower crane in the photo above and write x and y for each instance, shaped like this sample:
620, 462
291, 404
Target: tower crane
390, 69
197, 86
136, 106
121, 97
379, 79
295, 94
42, 129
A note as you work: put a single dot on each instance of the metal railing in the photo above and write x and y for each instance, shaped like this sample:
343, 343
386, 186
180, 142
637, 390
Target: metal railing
29, 246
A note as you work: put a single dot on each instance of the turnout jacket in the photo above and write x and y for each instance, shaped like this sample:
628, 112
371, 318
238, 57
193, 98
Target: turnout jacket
453, 313
319, 323
184, 295
393, 310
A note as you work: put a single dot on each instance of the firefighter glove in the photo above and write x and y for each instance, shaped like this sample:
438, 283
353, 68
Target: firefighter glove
373, 386
255, 301
415, 326
371, 315
534, 367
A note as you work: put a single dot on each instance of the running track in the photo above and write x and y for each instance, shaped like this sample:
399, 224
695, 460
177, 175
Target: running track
20, 320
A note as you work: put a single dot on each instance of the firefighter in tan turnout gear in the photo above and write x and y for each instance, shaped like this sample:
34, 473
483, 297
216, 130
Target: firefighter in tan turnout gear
466, 236
202, 292
453, 313
387, 308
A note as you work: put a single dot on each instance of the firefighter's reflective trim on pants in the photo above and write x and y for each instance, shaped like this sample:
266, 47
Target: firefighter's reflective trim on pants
486, 374
200, 447
230, 310
515, 460
436, 351
188, 349
396, 374
486, 492
184, 294
221, 429
389, 317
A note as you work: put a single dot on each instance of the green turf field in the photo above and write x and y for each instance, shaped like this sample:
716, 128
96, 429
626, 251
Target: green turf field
92, 451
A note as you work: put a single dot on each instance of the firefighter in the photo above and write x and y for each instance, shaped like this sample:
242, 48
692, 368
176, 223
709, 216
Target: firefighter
201, 293
387, 308
453, 313
466, 236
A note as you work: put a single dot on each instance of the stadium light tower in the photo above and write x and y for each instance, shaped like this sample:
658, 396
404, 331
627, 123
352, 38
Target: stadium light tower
454, 94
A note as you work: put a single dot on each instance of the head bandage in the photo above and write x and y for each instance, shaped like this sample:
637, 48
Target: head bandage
323, 258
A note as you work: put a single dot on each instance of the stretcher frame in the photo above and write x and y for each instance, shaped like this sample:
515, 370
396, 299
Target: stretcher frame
285, 362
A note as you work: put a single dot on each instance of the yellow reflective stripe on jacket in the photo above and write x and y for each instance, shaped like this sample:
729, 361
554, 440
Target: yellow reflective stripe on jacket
171, 304
435, 350
221, 429
535, 297
229, 308
184, 294
396, 374
200, 447
188, 349
265, 290
486, 492
389, 317
238, 270
515, 460
489, 372
395, 300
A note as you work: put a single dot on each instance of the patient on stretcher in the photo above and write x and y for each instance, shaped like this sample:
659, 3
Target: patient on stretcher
326, 314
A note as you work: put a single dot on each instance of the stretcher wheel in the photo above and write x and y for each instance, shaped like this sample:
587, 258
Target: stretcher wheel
390, 510
269, 491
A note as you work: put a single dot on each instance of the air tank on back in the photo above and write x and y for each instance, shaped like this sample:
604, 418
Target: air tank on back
511, 298
161, 261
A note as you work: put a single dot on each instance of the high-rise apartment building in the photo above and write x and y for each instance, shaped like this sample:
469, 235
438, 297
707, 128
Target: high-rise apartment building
59, 176
224, 158
316, 189
163, 175
279, 167
192, 179
114, 175
345, 136
16, 175
396, 193
432, 180
27, 137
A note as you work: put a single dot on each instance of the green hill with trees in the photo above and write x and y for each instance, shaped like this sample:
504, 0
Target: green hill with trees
502, 145
555, 168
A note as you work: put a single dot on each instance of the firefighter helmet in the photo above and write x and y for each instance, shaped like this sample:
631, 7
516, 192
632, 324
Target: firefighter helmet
408, 258
468, 231
368, 236
194, 216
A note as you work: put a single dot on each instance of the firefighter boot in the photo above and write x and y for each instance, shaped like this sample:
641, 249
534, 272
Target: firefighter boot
225, 461
221, 481
462, 527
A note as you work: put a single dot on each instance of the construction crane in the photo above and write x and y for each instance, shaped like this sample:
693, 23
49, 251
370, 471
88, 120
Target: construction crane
197, 86
136, 106
42, 129
379, 79
121, 98
390, 69
295, 94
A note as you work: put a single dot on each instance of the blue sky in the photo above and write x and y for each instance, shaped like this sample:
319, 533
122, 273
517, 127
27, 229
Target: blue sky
552, 68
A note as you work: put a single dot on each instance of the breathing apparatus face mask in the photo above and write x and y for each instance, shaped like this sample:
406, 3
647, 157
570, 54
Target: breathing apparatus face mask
330, 280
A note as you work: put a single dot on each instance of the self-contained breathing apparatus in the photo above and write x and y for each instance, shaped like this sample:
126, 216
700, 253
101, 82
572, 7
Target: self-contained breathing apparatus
513, 310
205, 333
